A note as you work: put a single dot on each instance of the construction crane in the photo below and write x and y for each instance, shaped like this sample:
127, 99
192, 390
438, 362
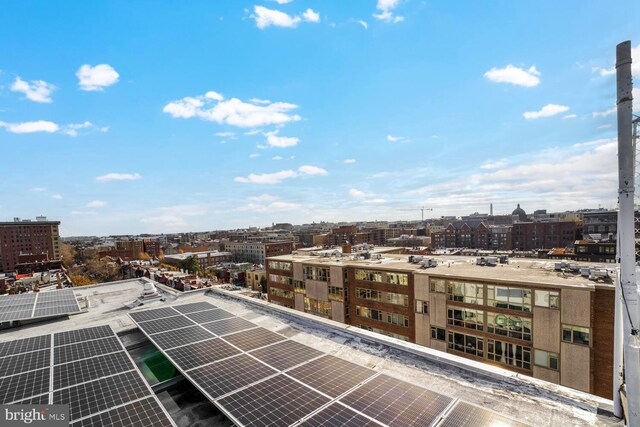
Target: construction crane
422, 209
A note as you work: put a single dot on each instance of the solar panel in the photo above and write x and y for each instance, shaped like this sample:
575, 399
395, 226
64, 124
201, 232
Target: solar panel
277, 400
32, 305
21, 386
95, 396
209, 315
331, 375
18, 363
25, 345
397, 403
146, 412
193, 307
201, 353
337, 415
467, 415
166, 324
158, 313
228, 326
167, 340
43, 399
227, 375
82, 350
253, 338
69, 374
285, 354
70, 337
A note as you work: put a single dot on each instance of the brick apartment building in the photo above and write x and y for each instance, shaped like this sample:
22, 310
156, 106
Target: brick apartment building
39, 239
467, 234
526, 236
521, 317
257, 252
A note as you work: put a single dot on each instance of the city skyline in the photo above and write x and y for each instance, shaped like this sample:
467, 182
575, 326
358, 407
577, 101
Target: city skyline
213, 116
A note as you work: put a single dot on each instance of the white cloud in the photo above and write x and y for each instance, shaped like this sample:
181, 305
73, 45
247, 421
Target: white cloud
96, 78
375, 202
233, 112
276, 158
254, 155
310, 15
604, 71
569, 116
114, 176
72, 129
267, 178
349, 161
253, 131
267, 17
38, 189
31, 127
264, 198
355, 193
312, 170
96, 204
283, 1
363, 23
56, 196
271, 207
498, 164
225, 134
213, 95
608, 126
36, 90
514, 75
260, 101
386, 15
605, 113
280, 141
546, 111
400, 139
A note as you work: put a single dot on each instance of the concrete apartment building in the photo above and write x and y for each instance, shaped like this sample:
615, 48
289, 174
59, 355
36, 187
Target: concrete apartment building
524, 316
39, 238
257, 252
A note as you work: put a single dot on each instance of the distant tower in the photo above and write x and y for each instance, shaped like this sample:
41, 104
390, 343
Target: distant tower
491, 209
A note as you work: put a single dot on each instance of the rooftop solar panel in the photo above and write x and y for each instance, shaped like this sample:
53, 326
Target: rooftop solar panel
95, 396
276, 401
21, 386
43, 399
285, 354
80, 371
337, 415
166, 324
397, 403
25, 345
201, 353
209, 315
70, 337
143, 413
158, 313
227, 375
177, 338
229, 326
193, 307
31, 305
253, 338
467, 415
331, 375
82, 350
18, 363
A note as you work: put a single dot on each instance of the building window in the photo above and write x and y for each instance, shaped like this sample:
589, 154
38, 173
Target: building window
369, 276
466, 318
466, 343
398, 279
509, 354
279, 265
470, 293
422, 307
280, 279
383, 316
509, 326
546, 359
437, 285
386, 297
335, 293
282, 293
550, 299
317, 307
510, 298
299, 286
316, 273
438, 334
575, 334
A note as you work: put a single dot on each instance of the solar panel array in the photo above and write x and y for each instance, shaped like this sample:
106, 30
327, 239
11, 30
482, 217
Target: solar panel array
88, 369
259, 378
38, 304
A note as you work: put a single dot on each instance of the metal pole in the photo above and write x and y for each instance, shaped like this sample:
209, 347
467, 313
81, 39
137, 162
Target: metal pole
626, 233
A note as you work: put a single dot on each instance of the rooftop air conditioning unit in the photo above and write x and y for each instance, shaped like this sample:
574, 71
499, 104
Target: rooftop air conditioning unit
481, 261
492, 261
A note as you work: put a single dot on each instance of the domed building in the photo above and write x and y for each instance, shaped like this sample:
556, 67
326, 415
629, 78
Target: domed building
522, 215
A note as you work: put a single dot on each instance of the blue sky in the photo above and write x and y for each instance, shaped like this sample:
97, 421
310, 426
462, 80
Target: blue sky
131, 117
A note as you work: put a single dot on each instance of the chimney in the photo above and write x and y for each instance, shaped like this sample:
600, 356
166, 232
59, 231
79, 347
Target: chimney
346, 248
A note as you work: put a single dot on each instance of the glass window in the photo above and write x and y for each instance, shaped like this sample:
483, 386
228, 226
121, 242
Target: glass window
335, 293
470, 293
466, 343
509, 326
466, 318
438, 334
398, 279
509, 354
437, 285
283, 293
549, 299
422, 307
575, 334
280, 265
509, 297
546, 359
316, 273
383, 316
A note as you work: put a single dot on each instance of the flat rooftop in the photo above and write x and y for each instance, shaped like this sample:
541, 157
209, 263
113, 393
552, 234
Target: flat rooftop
523, 270
521, 398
